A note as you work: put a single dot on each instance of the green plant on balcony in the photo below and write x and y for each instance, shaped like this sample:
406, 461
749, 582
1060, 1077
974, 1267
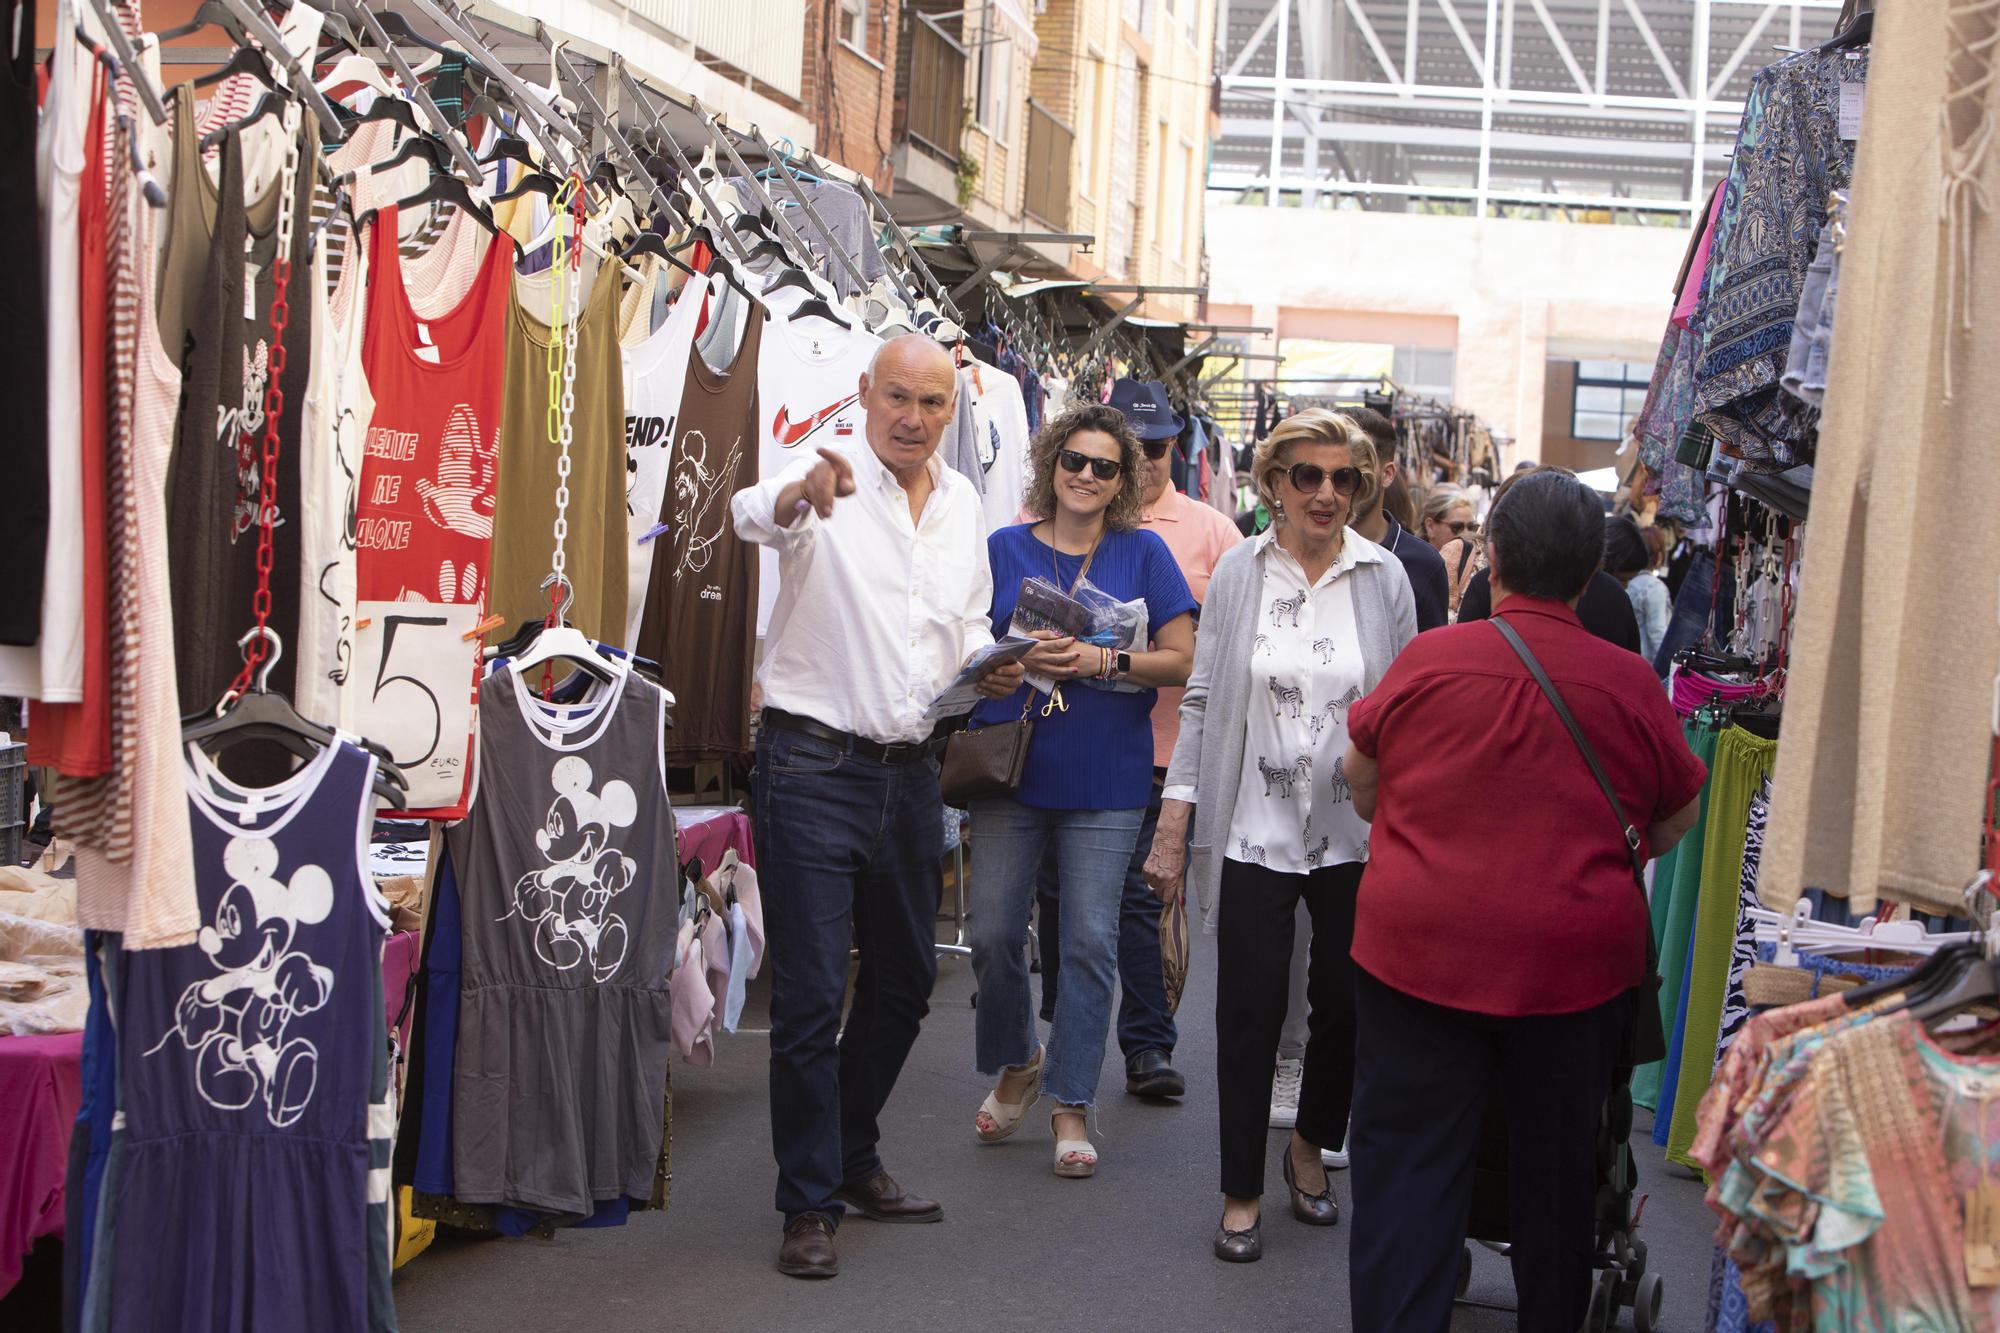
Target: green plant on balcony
967, 176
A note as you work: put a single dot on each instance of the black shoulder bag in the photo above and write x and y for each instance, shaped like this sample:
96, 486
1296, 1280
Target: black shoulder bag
1645, 1034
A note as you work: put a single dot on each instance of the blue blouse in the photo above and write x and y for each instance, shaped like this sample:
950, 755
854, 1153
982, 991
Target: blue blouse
1097, 755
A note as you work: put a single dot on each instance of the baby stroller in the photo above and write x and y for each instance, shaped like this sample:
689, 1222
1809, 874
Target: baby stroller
1622, 1280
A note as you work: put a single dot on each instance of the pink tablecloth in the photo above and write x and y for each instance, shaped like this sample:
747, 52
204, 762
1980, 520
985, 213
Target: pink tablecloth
710, 838
41, 1085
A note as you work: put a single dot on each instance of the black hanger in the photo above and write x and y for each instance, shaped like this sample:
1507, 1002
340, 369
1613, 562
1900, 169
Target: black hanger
446, 189
817, 306
1859, 31
392, 108
270, 104
398, 27
247, 60
482, 104
210, 14
792, 277
531, 182
508, 146
417, 145
650, 243
259, 714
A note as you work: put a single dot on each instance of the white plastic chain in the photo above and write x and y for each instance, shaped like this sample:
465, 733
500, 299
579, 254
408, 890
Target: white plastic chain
565, 296
289, 181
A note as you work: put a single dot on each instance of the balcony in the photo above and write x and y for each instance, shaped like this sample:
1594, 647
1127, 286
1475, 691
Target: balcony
1051, 146
763, 38
931, 83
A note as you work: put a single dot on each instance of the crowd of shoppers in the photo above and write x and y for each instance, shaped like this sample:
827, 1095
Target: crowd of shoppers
1389, 955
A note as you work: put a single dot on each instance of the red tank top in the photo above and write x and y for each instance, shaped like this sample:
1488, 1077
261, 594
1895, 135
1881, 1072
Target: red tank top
424, 518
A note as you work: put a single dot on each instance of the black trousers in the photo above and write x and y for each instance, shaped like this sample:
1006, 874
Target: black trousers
1253, 966
1422, 1080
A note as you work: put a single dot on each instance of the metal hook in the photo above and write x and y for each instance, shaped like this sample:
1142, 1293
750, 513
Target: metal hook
262, 684
569, 593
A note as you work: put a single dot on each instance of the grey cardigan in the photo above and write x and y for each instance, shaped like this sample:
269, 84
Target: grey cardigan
1214, 727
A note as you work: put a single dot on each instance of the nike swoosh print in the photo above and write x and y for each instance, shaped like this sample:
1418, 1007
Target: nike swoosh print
789, 432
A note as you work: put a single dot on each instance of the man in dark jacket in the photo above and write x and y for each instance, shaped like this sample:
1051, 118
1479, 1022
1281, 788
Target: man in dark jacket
1420, 559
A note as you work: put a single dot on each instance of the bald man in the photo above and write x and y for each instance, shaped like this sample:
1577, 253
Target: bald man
883, 594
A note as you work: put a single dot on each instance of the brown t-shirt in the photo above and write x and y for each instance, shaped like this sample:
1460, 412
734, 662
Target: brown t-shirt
700, 615
525, 503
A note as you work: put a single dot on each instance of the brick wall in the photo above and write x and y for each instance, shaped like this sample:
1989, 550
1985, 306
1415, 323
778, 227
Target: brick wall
851, 95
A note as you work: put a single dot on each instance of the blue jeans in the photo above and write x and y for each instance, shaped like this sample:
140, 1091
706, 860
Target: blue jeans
1145, 1023
1093, 848
1702, 604
847, 853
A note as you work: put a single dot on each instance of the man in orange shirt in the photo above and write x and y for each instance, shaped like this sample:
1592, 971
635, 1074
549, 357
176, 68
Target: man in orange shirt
1197, 534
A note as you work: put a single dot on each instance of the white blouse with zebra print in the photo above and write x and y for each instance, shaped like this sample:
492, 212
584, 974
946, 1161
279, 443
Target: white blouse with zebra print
1294, 812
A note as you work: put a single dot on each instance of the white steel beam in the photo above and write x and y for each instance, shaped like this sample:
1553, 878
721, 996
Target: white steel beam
1653, 45
1412, 27
1742, 50
1486, 115
1498, 194
1258, 36
1395, 102
1284, 8
1561, 45
1603, 43
1375, 46
1505, 100
1483, 63
1699, 78
1469, 137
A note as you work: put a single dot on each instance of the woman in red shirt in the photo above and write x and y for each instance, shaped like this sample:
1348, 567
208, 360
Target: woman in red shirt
1499, 938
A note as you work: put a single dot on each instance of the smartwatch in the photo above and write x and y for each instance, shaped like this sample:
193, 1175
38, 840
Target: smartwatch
1121, 665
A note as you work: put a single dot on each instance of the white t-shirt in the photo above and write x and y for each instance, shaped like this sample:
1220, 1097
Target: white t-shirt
808, 397
52, 670
1000, 418
332, 423
655, 373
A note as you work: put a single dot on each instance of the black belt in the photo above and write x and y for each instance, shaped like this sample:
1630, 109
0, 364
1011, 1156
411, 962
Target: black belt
906, 752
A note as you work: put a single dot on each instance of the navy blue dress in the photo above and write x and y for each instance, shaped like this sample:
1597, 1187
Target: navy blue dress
251, 1065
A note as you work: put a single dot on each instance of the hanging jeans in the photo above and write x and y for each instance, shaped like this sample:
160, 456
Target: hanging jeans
1700, 606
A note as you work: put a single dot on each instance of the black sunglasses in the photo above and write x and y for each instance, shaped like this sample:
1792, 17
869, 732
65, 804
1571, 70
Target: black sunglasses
1156, 449
1104, 469
1308, 476
1458, 528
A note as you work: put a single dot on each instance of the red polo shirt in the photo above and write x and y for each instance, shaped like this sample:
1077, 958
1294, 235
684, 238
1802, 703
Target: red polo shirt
1497, 880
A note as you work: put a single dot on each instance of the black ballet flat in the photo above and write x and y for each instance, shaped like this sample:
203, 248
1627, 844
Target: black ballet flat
1240, 1247
1315, 1210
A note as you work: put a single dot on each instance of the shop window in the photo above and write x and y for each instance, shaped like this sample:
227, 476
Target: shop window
1608, 396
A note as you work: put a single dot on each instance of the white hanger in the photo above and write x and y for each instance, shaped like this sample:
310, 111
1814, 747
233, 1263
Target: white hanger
356, 69
569, 643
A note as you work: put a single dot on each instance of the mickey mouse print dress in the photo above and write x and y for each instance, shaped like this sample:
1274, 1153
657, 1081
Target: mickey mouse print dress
569, 906
248, 1186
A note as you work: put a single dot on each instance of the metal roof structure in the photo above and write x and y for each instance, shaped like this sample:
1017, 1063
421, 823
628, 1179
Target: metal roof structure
1493, 107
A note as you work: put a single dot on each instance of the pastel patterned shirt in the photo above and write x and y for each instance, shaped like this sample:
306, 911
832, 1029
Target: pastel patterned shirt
1294, 812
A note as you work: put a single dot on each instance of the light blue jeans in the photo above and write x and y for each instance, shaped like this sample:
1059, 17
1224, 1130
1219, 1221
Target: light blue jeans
1093, 848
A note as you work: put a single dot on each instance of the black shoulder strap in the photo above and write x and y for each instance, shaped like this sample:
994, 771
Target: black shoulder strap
1464, 559
1630, 832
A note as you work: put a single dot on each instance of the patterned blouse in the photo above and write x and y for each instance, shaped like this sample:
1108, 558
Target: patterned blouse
1294, 811
1790, 156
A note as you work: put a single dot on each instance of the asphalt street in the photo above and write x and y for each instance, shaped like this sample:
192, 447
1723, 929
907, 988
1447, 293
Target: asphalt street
1018, 1249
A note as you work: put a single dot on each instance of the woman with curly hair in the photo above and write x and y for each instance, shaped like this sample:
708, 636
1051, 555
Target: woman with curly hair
1088, 776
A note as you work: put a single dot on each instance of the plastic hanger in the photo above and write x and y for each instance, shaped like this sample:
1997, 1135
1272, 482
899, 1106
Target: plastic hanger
393, 107
650, 243
270, 104
417, 145
510, 147
359, 69
259, 713
531, 182
817, 307
247, 60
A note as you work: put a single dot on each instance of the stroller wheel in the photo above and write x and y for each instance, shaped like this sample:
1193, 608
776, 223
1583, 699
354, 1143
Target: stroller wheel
1464, 1273
1638, 1260
1646, 1304
1603, 1304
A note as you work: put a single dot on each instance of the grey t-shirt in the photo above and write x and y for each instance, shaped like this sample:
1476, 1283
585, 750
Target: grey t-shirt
845, 213
569, 890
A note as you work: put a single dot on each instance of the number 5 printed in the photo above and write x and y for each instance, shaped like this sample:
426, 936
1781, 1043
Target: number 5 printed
383, 680
417, 700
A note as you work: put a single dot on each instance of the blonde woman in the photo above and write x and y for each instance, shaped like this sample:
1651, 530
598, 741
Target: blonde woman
1449, 525
1299, 624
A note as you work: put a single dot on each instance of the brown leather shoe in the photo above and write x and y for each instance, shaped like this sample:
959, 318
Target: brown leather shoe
883, 1200
808, 1247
